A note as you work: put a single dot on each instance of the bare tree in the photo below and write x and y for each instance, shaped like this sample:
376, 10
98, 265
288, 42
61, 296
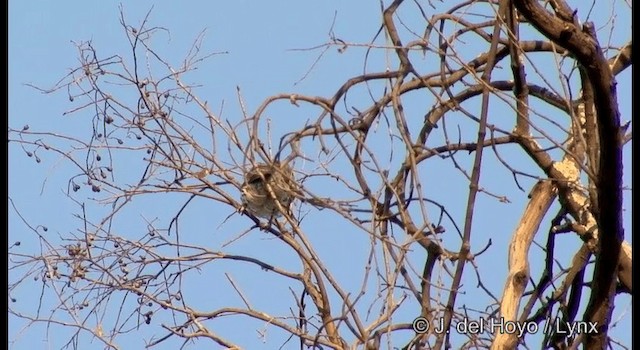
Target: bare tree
362, 165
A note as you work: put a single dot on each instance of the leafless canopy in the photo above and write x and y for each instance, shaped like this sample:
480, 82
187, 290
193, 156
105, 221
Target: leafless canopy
534, 98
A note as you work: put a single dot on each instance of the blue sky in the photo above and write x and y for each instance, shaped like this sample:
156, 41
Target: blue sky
257, 50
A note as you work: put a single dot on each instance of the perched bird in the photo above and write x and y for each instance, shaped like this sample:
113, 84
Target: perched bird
264, 186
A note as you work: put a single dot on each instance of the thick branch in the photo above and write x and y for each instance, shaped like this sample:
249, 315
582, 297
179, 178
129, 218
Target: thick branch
542, 196
583, 44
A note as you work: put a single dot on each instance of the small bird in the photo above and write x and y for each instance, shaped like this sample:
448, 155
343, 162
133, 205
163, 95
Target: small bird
267, 185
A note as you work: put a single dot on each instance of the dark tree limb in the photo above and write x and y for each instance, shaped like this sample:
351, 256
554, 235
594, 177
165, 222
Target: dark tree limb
583, 45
